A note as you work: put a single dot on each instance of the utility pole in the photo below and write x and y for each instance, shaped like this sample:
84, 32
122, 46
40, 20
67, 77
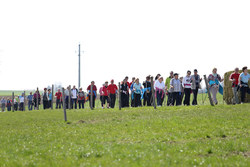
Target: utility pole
79, 72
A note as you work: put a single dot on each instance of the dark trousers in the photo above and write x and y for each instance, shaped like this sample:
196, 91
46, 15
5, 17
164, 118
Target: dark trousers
58, 103
74, 103
8, 107
195, 93
137, 98
81, 104
124, 100
112, 100
67, 102
50, 103
128, 100
35, 101
244, 90
170, 99
147, 99
187, 92
101, 99
15, 106
159, 98
45, 104
176, 98
30, 105
93, 99
21, 107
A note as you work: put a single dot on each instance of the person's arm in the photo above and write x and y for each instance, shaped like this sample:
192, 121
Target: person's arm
231, 78
171, 84
240, 81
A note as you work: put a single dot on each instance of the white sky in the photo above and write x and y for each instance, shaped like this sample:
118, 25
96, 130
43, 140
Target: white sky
39, 39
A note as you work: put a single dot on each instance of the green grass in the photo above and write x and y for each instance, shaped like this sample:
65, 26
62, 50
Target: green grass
168, 136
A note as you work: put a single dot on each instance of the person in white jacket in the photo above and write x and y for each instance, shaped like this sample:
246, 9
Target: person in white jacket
187, 83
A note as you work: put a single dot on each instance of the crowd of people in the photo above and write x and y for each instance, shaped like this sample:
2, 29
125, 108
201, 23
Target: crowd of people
177, 91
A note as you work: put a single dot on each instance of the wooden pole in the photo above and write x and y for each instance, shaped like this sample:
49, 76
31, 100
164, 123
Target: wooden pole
146, 94
13, 101
69, 99
91, 97
208, 91
52, 100
119, 95
24, 102
64, 105
37, 101
153, 92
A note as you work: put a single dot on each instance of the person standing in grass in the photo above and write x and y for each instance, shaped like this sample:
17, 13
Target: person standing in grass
101, 94
182, 89
81, 99
58, 96
94, 88
16, 103
30, 101
137, 89
105, 95
45, 99
74, 94
243, 83
3, 104
187, 82
21, 102
124, 94
112, 90
175, 85
66, 92
131, 85
160, 88
196, 80
147, 92
50, 98
37, 95
213, 80
234, 78
9, 104
169, 91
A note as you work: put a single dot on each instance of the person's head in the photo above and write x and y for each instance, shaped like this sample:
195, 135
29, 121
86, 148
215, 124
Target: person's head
126, 78
195, 71
244, 69
80, 89
30, 93
176, 76
236, 70
106, 83
49, 90
215, 70
148, 78
171, 73
112, 81
188, 72
74, 87
45, 89
137, 80
22, 94
181, 78
160, 79
133, 79
92, 82
59, 90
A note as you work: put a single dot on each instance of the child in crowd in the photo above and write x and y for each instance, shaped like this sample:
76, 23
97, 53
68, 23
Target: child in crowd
3, 104
9, 103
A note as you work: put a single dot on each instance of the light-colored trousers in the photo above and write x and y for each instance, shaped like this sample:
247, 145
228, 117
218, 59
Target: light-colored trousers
236, 95
214, 89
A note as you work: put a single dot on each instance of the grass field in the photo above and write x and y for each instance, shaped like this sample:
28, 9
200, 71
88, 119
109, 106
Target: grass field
168, 136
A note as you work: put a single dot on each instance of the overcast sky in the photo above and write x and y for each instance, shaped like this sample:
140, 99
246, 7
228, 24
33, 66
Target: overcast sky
39, 39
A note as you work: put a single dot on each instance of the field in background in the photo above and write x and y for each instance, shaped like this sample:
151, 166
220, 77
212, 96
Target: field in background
168, 136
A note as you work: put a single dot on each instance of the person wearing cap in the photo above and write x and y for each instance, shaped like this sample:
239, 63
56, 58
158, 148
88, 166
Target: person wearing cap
112, 90
30, 101
21, 102
81, 98
243, 83
105, 95
94, 88
131, 85
196, 80
58, 96
157, 77
160, 88
213, 80
234, 78
137, 90
187, 83
124, 94
101, 94
169, 91
147, 92
74, 94
45, 99
175, 85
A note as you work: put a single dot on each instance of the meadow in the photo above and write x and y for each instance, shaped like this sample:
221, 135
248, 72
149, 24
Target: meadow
169, 136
